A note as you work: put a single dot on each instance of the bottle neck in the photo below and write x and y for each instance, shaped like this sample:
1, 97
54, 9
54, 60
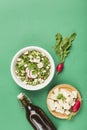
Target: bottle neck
25, 101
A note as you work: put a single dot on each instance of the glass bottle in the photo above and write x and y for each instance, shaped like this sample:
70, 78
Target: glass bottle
35, 115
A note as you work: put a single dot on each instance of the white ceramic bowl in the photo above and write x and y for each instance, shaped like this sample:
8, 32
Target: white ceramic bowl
21, 83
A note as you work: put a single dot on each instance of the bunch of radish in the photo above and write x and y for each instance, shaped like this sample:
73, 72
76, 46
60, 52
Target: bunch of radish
62, 49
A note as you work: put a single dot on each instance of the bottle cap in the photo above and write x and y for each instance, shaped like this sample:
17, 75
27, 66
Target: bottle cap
20, 96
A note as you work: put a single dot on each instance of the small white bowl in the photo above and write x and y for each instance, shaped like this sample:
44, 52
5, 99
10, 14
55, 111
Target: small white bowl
21, 83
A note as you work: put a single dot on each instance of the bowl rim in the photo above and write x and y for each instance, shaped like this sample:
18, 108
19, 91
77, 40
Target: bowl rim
30, 87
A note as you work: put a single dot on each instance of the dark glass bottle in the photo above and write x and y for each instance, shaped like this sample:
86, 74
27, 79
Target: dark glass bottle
35, 115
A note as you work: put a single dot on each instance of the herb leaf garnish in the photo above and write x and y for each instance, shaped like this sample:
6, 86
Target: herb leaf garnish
63, 45
60, 96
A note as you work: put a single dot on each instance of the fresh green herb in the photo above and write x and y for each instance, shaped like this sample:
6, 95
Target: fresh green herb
62, 48
32, 66
60, 96
63, 45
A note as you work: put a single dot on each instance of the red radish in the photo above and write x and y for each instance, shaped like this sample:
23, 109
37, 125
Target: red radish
62, 48
76, 106
59, 67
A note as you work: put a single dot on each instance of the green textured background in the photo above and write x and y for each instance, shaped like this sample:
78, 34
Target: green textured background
35, 22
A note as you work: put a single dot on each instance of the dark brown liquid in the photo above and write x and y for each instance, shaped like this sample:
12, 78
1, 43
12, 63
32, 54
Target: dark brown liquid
36, 116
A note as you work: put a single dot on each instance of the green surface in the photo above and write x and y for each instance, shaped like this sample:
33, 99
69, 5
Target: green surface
35, 22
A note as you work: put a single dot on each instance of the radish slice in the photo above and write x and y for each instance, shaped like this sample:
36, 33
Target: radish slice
33, 76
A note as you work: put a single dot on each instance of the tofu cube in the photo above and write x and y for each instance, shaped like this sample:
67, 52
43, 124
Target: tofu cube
51, 104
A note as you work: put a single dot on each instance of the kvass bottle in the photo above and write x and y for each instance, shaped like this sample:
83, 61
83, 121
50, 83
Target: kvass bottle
35, 115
